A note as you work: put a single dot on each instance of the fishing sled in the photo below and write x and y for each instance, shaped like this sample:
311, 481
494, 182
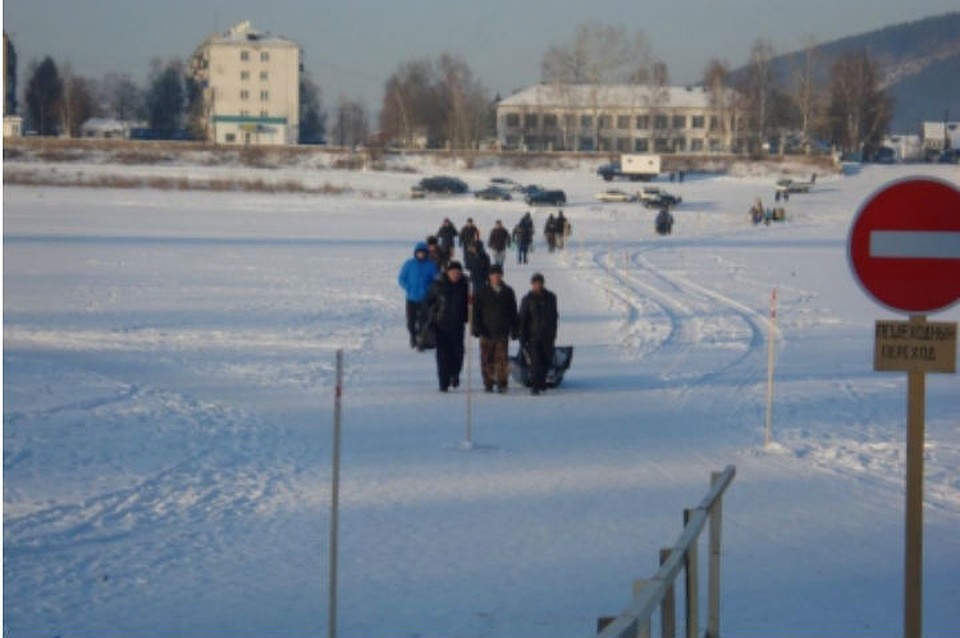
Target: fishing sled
520, 366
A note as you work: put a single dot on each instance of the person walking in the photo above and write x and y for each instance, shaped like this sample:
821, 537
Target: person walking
563, 230
447, 312
494, 323
469, 234
477, 262
416, 276
523, 237
538, 331
447, 236
550, 232
498, 243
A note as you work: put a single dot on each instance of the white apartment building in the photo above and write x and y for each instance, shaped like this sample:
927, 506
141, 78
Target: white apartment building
250, 84
621, 118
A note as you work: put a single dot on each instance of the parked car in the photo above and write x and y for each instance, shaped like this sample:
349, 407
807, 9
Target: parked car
654, 197
506, 184
443, 184
791, 186
614, 195
950, 156
547, 198
493, 192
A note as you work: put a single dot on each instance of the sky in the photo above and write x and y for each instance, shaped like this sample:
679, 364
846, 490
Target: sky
351, 48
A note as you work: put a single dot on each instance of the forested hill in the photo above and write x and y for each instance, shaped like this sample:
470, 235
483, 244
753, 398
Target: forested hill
920, 61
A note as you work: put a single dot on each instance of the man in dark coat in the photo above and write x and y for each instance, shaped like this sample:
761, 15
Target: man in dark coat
447, 311
523, 237
469, 234
538, 331
477, 262
498, 243
494, 322
550, 232
447, 235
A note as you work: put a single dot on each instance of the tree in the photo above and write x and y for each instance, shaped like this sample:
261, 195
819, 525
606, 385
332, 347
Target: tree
166, 98
716, 79
10, 75
313, 121
465, 103
78, 104
757, 86
806, 93
122, 98
44, 98
352, 126
860, 110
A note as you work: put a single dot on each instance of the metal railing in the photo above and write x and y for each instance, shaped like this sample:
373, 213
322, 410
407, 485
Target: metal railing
658, 592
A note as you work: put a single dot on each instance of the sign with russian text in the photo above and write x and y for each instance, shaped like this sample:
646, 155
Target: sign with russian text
930, 346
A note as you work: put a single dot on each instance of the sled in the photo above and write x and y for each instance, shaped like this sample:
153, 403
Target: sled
520, 366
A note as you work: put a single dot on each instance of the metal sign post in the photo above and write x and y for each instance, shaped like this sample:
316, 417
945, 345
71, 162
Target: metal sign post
335, 501
904, 249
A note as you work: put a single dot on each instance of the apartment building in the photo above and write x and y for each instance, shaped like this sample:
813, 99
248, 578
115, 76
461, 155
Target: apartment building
617, 118
250, 85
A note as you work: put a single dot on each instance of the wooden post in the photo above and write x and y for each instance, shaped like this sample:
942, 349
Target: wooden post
692, 583
335, 501
468, 440
713, 574
668, 608
913, 541
771, 341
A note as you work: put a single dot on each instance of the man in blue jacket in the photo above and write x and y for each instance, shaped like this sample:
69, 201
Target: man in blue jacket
416, 276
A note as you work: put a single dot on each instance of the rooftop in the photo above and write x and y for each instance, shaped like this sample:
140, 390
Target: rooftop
587, 95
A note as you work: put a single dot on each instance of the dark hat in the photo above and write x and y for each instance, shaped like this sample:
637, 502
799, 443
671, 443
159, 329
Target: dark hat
496, 269
536, 277
454, 265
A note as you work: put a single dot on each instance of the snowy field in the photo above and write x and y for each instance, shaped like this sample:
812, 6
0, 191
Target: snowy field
168, 383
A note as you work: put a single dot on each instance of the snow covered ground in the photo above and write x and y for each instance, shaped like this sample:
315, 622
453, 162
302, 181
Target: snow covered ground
168, 392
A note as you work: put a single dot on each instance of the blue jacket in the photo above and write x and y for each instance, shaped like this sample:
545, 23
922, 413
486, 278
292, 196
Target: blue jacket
416, 275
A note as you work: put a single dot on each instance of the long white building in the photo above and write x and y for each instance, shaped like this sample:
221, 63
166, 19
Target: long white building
621, 118
250, 85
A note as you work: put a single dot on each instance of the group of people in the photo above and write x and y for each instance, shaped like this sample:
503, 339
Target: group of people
556, 230
760, 215
438, 309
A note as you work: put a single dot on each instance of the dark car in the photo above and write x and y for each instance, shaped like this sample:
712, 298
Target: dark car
662, 200
950, 156
609, 171
443, 184
547, 198
493, 192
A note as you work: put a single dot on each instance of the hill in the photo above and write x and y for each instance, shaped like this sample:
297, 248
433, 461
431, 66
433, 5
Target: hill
920, 60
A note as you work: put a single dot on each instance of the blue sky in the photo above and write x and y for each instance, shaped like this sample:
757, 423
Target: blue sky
352, 46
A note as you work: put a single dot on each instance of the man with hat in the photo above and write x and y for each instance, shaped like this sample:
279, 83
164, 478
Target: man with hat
494, 322
538, 331
447, 312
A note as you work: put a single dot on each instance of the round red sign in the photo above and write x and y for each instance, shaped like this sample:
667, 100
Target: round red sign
904, 245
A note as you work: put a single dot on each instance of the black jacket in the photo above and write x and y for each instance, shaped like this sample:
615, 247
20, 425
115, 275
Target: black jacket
538, 317
447, 304
495, 312
446, 234
499, 238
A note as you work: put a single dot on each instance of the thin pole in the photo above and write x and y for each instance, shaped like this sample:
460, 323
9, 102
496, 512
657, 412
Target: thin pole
771, 339
913, 554
335, 501
468, 441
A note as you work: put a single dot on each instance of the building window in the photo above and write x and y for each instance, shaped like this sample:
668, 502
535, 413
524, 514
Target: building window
643, 122
661, 145
623, 144
244, 56
679, 121
714, 123
244, 75
530, 120
641, 145
264, 56
244, 94
623, 122
231, 138
697, 121
680, 145
264, 76
660, 122
569, 121
696, 145
604, 121
586, 121
264, 96
550, 121
586, 143
513, 120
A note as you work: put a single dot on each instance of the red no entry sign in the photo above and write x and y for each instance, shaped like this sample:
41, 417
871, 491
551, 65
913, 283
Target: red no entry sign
904, 245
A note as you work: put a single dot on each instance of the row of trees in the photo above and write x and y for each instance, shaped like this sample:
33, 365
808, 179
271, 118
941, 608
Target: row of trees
441, 103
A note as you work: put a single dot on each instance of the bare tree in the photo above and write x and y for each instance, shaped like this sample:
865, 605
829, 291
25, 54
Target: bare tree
716, 79
860, 110
78, 104
122, 98
351, 127
806, 92
757, 87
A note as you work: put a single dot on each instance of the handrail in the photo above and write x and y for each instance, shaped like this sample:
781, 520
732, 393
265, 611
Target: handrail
635, 619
